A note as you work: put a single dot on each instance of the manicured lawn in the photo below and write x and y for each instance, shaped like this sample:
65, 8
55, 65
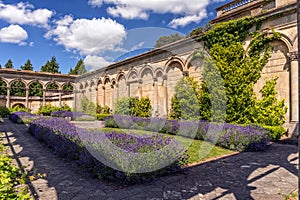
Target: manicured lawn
198, 150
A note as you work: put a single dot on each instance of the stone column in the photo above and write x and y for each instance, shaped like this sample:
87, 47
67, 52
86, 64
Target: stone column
128, 89
112, 97
96, 92
117, 91
155, 84
103, 87
44, 97
27, 97
59, 93
140, 81
294, 86
165, 84
8, 97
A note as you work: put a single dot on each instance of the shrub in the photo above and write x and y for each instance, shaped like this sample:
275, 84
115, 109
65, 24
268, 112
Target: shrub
19, 109
69, 142
133, 106
275, 132
48, 109
91, 108
101, 117
102, 110
4, 111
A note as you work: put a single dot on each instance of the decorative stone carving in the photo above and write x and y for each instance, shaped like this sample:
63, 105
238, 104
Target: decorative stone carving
293, 56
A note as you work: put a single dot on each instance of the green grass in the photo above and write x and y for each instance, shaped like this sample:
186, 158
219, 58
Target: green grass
198, 150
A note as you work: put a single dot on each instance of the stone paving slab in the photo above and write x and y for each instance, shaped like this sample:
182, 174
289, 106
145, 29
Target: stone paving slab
251, 175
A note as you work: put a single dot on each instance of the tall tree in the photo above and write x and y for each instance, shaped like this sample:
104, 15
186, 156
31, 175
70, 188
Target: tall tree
79, 68
9, 64
167, 40
51, 66
27, 66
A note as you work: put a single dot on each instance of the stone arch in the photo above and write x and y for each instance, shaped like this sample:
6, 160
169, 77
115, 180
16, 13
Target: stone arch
18, 104
146, 67
147, 83
108, 92
121, 86
3, 86
132, 81
171, 61
18, 87
35, 88
194, 67
288, 41
52, 86
66, 85
17, 80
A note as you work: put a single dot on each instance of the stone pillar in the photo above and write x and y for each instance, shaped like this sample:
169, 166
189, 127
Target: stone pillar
165, 84
155, 96
294, 86
8, 97
59, 92
27, 97
117, 91
128, 89
96, 92
140, 88
103, 87
112, 97
44, 97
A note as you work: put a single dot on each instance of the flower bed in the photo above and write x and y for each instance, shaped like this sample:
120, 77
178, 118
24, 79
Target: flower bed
234, 137
112, 149
22, 117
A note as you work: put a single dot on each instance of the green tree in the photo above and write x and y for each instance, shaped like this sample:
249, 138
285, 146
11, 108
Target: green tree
79, 68
36, 89
143, 107
269, 110
27, 66
9, 64
239, 68
51, 66
185, 102
3, 88
18, 88
164, 40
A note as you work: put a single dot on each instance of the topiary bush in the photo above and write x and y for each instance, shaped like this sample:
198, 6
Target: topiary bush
275, 132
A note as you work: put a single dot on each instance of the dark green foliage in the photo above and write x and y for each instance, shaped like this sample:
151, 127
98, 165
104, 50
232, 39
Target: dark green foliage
133, 106
36, 89
51, 66
102, 116
4, 112
3, 88
27, 66
68, 87
185, 102
18, 88
164, 40
275, 132
9, 64
79, 68
52, 86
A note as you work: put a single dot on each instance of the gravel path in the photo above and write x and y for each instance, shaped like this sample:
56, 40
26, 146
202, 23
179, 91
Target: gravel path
251, 175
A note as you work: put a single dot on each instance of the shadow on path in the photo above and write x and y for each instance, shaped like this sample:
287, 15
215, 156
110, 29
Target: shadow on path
250, 175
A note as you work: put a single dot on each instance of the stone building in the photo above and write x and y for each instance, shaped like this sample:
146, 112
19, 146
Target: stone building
61, 92
155, 73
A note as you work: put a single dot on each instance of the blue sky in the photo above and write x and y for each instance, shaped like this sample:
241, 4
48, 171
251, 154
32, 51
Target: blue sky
97, 31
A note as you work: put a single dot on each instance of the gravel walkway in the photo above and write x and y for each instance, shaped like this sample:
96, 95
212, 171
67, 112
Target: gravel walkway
251, 175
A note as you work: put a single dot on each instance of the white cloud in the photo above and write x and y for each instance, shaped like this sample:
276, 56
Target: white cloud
13, 34
95, 62
88, 37
24, 13
183, 21
137, 46
190, 11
